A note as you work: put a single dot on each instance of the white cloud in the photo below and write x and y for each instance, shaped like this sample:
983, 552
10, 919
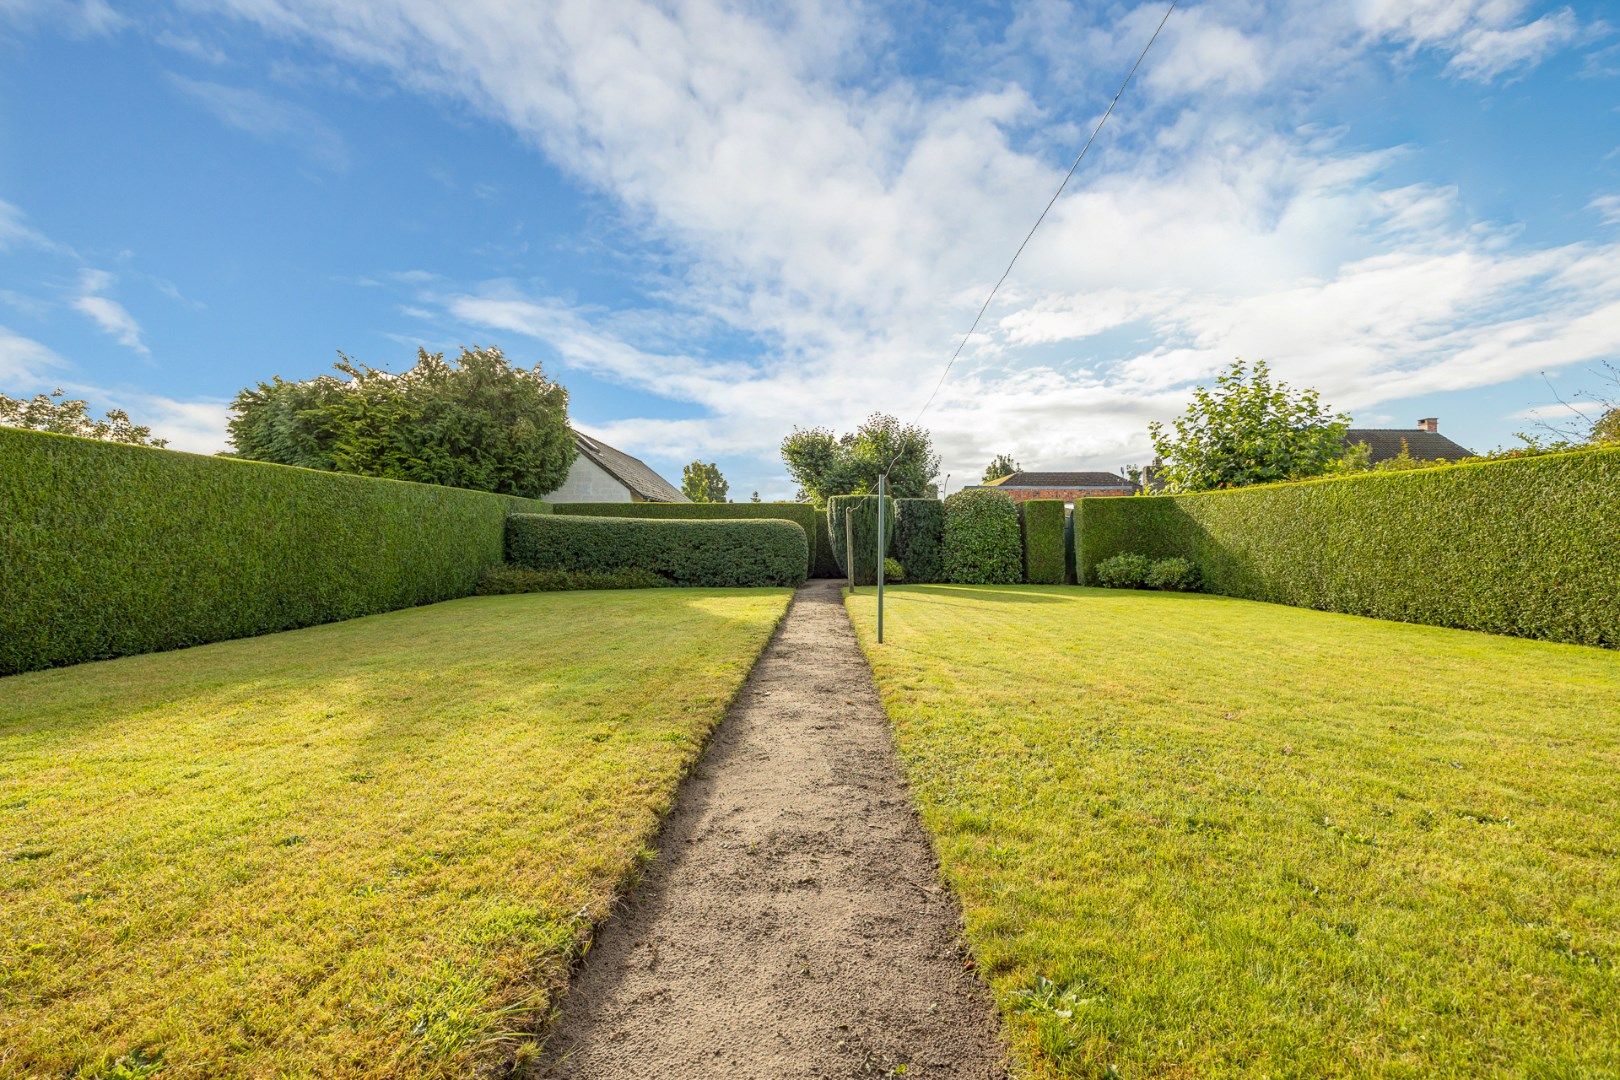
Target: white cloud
269, 118
108, 314
83, 17
15, 232
1608, 208
24, 363
850, 220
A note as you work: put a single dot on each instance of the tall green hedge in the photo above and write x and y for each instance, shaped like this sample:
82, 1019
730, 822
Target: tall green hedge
1529, 547
919, 539
684, 551
982, 545
811, 520
862, 511
107, 549
1043, 523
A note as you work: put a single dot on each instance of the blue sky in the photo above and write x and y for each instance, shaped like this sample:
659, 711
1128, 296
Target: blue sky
713, 222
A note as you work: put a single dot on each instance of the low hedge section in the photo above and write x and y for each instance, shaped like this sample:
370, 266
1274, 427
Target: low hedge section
724, 554
862, 511
1043, 526
919, 539
107, 549
1525, 547
808, 518
982, 545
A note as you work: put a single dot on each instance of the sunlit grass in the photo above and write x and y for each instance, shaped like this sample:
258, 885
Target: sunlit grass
366, 849
1196, 836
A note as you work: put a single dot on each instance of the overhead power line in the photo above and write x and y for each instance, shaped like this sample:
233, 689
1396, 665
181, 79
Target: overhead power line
1050, 203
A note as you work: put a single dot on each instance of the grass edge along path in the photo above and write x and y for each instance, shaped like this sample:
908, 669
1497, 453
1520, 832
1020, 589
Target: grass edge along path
362, 849
1202, 836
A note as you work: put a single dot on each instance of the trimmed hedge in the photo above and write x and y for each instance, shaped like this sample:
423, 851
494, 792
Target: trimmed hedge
919, 539
1529, 547
108, 549
811, 520
982, 545
1043, 528
684, 551
863, 509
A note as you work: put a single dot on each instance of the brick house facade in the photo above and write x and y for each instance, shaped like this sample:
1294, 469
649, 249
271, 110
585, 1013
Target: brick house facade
1068, 486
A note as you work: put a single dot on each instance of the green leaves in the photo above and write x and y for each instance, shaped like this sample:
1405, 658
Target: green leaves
476, 423
862, 511
824, 465
982, 544
716, 554
1248, 430
50, 412
703, 483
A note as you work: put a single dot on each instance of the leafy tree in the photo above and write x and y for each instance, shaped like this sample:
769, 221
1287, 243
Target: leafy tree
1003, 465
70, 416
754, 498
703, 483
1249, 430
475, 422
824, 464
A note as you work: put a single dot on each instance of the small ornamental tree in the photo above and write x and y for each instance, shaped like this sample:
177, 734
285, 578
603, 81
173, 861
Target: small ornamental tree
982, 545
475, 422
1248, 430
703, 483
50, 412
824, 464
1002, 465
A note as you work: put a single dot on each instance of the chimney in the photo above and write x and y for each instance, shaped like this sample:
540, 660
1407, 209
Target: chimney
1429, 423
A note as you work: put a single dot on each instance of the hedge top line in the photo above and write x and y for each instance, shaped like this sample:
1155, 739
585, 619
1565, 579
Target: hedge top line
230, 461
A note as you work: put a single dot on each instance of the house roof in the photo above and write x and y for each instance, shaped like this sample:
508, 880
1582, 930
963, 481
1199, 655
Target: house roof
1424, 445
1080, 481
632, 472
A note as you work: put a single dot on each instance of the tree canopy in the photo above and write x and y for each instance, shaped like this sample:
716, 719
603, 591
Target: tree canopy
824, 464
475, 422
56, 413
1001, 465
1248, 430
703, 483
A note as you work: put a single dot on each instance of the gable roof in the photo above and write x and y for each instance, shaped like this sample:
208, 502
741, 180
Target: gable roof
632, 472
1424, 445
1077, 480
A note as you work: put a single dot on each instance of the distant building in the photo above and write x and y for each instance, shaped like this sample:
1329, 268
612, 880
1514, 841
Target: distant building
1423, 442
1068, 486
603, 474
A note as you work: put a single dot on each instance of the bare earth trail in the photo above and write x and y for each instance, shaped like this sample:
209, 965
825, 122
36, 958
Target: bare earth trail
793, 924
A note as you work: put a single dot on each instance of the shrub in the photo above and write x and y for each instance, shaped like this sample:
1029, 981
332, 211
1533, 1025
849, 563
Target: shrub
1043, 527
919, 538
1175, 574
807, 517
1124, 571
893, 571
721, 554
981, 538
862, 510
1523, 546
501, 580
108, 549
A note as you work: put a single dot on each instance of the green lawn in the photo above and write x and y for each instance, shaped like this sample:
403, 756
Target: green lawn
365, 849
1196, 836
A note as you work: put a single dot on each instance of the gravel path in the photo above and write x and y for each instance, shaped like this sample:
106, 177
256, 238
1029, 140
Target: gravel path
793, 924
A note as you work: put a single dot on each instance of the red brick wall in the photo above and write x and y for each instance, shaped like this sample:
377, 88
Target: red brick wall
1066, 494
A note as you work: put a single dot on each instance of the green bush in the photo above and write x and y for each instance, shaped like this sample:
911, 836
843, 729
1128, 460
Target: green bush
1524, 547
501, 580
724, 554
813, 521
919, 538
1043, 526
981, 538
1124, 571
862, 510
1174, 574
893, 571
107, 549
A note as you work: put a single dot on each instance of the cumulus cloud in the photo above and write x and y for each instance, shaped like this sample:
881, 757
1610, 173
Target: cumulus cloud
24, 362
848, 220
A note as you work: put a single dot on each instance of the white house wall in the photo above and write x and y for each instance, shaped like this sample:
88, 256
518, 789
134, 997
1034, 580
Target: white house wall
589, 482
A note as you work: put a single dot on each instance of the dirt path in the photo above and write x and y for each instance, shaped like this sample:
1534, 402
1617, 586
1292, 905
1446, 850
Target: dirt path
793, 924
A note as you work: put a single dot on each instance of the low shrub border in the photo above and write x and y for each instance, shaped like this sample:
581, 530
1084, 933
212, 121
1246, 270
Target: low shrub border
982, 544
1043, 525
504, 580
722, 554
1524, 547
862, 510
808, 518
108, 549
919, 539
